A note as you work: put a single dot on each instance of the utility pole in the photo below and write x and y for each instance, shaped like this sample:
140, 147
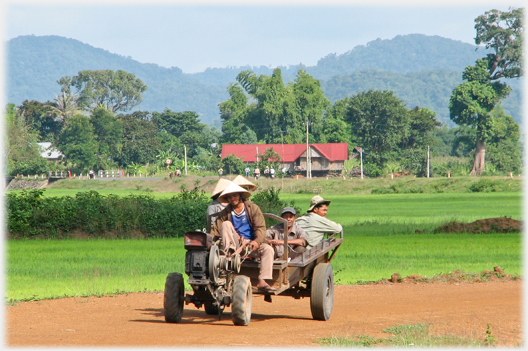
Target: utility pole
185, 151
257, 158
308, 157
282, 157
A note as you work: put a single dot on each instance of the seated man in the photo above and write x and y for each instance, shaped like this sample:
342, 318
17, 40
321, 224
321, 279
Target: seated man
296, 235
315, 222
215, 206
241, 222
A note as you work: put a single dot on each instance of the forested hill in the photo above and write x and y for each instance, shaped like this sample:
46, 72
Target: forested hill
36, 63
422, 70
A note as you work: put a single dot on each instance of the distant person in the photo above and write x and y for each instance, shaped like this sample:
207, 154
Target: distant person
220, 171
272, 173
297, 239
178, 172
256, 173
315, 223
91, 174
266, 172
247, 170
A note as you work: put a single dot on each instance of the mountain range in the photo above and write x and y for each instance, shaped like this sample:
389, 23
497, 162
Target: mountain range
421, 70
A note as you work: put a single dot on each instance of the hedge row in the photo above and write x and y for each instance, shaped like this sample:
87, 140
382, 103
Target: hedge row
32, 215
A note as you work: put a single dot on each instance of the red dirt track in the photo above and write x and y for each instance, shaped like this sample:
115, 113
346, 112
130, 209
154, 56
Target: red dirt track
462, 309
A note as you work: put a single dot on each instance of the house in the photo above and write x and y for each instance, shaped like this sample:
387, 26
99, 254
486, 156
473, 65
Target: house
49, 153
325, 157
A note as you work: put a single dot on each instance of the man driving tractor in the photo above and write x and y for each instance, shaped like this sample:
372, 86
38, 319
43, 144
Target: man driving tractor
241, 223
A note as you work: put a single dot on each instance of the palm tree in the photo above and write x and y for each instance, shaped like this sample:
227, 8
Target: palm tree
65, 106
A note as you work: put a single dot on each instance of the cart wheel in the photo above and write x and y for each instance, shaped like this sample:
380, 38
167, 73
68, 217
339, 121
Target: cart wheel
322, 292
242, 297
173, 300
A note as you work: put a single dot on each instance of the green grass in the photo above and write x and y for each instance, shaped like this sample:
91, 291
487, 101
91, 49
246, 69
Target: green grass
380, 239
38, 269
422, 209
57, 268
413, 335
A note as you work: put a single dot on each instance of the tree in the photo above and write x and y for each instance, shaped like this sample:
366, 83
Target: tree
335, 129
22, 151
277, 113
234, 114
422, 124
116, 91
108, 131
471, 102
310, 104
503, 33
269, 158
232, 165
504, 149
77, 142
140, 144
39, 118
379, 121
65, 106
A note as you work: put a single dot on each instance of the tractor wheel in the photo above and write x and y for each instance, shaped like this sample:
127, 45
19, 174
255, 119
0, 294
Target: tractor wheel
211, 309
174, 295
241, 300
322, 292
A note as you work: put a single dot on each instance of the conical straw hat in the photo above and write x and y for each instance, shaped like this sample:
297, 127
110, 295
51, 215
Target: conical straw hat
232, 189
220, 186
244, 183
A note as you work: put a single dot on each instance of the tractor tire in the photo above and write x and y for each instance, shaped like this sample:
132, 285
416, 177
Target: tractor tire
173, 300
211, 309
322, 292
241, 300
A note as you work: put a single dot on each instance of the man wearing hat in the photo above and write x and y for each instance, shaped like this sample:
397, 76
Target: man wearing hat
242, 221
315, 222
297, 239
215, 206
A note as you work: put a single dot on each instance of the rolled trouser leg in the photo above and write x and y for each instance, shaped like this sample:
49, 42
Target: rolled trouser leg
229, 236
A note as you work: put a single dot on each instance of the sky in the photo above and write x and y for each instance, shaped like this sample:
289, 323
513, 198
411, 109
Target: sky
206, 34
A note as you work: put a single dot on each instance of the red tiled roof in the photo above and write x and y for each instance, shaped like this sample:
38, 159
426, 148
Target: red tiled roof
288, 152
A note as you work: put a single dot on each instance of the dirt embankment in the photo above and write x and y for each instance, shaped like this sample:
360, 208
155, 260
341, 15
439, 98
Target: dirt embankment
483, 226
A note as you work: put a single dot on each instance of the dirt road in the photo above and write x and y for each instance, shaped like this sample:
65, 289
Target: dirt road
137, 319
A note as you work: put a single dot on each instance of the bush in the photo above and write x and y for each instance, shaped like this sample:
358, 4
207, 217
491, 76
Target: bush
30, 215
485, 185
269, 202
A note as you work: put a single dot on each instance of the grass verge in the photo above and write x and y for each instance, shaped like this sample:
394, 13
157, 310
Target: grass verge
406, 335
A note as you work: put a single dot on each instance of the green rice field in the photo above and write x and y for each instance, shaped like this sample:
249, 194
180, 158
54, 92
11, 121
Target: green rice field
380, 239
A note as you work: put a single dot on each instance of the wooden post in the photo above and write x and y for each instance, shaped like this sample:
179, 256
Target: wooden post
361, 159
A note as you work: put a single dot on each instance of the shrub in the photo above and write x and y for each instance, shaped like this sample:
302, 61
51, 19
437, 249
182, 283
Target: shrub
269, 202
31, 215
485, 185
